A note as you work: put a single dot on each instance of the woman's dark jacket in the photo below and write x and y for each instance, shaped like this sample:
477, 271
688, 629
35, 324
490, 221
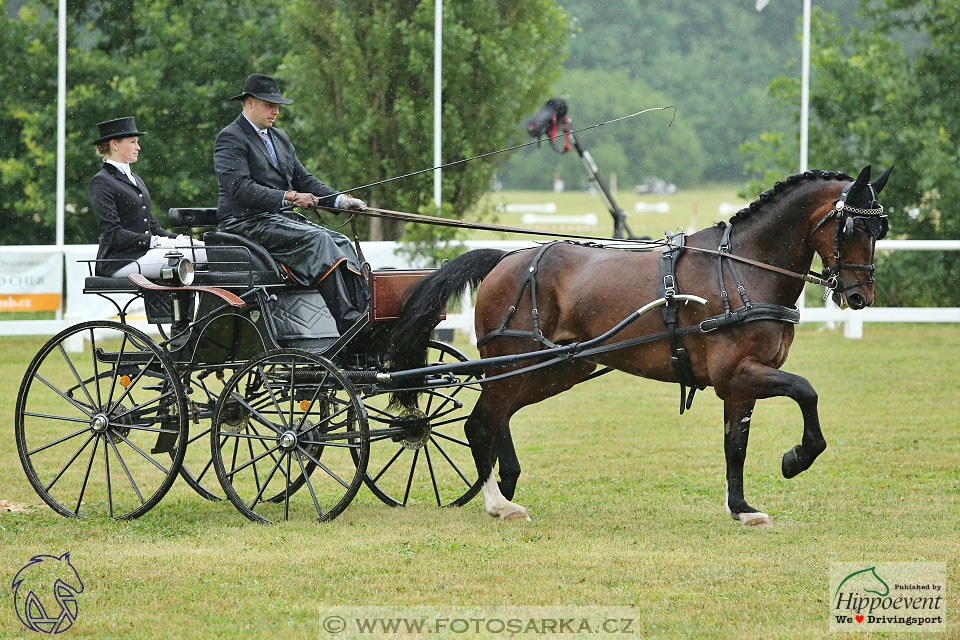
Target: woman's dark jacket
126, 219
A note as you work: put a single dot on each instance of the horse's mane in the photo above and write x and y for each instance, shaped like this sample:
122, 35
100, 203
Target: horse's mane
780, 188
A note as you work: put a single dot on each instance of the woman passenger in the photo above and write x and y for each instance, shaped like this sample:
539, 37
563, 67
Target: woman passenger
131, 238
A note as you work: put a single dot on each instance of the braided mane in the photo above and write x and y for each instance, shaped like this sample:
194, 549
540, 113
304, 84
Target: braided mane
780, 187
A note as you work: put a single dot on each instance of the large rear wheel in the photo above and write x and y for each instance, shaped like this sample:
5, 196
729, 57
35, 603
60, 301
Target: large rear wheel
101, 432
421, 455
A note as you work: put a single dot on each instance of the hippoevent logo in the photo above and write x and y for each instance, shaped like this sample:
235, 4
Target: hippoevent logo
891, 596
45, 594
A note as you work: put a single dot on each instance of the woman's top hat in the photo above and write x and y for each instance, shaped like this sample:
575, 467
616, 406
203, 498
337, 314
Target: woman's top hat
119, 128
264, 88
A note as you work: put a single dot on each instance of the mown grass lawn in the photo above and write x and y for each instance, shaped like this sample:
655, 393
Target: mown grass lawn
626, 500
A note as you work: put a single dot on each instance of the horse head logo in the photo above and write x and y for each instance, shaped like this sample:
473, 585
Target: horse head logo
867, 581
42, 579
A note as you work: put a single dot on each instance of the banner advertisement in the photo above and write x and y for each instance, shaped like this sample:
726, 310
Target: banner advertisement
31, 281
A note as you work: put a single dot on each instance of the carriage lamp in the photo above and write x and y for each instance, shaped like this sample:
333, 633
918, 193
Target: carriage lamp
178, 269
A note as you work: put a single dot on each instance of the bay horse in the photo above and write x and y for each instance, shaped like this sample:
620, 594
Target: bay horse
582, 291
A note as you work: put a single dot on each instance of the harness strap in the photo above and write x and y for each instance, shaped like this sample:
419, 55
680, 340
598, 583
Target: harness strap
531, 281
667, 288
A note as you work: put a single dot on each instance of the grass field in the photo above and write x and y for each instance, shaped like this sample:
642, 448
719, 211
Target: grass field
626, 500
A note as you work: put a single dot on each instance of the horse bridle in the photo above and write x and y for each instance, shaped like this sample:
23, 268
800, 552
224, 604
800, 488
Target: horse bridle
846, 215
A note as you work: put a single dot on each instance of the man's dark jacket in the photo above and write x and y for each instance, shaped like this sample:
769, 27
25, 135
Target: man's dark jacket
249, 183
125, 216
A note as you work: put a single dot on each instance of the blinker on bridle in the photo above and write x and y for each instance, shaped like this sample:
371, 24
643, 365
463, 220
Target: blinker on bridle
876, 225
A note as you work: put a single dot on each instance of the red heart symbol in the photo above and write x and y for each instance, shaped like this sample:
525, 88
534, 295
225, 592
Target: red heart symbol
859, 618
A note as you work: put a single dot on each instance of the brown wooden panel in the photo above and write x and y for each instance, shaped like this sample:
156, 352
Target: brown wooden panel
388, 290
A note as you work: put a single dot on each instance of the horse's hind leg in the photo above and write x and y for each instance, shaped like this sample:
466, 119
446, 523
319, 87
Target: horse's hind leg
482, 429
736, 432
509, 463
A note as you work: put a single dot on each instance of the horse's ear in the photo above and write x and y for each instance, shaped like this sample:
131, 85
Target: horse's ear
862, 180
882, 180
66, 556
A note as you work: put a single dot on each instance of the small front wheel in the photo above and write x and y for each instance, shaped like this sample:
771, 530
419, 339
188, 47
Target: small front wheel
101, 432
289, 438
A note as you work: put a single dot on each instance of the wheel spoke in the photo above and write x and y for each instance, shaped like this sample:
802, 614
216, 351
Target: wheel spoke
254, 413
133, 383
197, 437
76, 375
96, 368
286, 498
63, 395
69, 462
106, 463
54, 417
59, 440
86, 476
306, 476
276, 403
323, 466
269, 478
452, 463
387, 466
123, 464
433, 478
253, 461
413, 466
451, 439
140, 451
116, 371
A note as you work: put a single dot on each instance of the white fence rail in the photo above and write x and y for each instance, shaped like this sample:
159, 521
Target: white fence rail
80, 307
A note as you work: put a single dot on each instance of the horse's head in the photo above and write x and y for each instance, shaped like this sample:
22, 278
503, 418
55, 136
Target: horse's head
845, 238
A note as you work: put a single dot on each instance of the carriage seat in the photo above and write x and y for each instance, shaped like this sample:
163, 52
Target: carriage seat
233, 259
188, 217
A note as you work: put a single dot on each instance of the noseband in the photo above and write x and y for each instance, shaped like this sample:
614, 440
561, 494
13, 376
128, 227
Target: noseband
846, 215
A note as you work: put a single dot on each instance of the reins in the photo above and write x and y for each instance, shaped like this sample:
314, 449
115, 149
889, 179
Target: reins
811, 277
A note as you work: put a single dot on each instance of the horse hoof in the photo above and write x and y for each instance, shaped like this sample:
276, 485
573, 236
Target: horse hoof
755, 519
790, 464
520, 514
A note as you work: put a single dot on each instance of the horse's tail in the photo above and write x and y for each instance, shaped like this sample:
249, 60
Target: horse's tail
410, 334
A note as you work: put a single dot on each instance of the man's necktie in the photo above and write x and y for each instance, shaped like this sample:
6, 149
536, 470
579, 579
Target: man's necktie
270, 150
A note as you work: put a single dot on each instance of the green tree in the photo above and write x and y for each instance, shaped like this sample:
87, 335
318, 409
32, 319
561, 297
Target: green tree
634, 149
363, 80
872, 101
172, 65
711, 59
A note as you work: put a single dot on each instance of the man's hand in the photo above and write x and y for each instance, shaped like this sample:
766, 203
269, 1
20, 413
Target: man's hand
305, 200
353, 204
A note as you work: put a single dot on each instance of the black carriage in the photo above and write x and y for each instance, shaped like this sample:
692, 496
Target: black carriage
249, 393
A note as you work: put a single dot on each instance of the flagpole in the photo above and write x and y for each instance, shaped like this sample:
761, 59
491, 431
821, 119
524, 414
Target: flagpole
805, 87
437, 99
61, 126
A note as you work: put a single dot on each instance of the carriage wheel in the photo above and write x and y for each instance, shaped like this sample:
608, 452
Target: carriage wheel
430, 461
289, 415
101, 432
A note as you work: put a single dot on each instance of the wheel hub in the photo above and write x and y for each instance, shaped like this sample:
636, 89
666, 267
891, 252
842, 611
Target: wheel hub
416, 429
288, 440
100, 423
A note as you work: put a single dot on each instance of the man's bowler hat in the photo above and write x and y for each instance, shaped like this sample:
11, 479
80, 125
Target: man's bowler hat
119, 128
263, 87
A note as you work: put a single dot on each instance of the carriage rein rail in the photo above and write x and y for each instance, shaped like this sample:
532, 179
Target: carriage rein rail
811, 277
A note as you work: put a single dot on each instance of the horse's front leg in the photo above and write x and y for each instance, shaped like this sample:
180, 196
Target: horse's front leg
753, 381
736, 432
